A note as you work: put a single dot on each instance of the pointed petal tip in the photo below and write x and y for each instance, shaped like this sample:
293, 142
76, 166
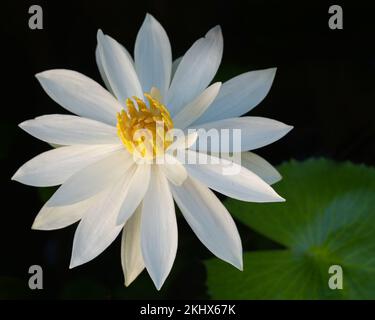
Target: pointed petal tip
217, 28
235, 261
240, 266
149, 16
76, 260
272, 73
15, 176
217, 85
73, 263
158, 286
99, 36
289, 127
35, 225
214, 31
269, 195
158, 282
39, 75
280, 199
273, 69
284, 129
274, 197
278, 177
44, 74
23, 124
129, 280
236, 258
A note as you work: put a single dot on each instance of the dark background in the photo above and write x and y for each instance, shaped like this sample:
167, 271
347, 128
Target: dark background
324, 87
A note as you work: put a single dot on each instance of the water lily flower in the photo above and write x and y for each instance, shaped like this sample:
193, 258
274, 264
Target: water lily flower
107, 191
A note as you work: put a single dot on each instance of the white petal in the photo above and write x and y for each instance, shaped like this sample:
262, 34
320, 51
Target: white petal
196, 70
174, 170
51, 218
242, 184
239, 95
153, 56
158, 229
55, 166
65, 129
98, 228
118, 68
175, 65
99, 62
131, 252
257, 165
197, 107
80, 94
134, 194
92, 179
210, 220
255, 132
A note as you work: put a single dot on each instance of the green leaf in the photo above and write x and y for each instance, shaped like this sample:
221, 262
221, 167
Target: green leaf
328, 219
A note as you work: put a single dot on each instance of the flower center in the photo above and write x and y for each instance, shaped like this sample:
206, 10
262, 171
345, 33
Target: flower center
143, 129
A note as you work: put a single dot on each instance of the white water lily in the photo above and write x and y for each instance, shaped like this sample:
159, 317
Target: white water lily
108, 192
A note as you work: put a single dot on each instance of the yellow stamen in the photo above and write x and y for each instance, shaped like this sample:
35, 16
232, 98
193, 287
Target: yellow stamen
143, 129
